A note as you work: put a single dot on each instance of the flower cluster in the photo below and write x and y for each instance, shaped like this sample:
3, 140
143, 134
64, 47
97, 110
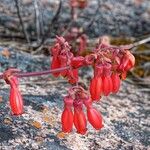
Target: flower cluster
76, 99
62, 57
110, 64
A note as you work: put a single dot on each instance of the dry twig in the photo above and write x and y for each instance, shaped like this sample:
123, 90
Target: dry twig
21, 22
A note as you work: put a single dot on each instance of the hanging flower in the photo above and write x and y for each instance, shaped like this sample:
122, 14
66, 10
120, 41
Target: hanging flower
131, 61
79, 118
94, 117
16, 101
115, 82
96, 88
106, 80
67, 115
54, 65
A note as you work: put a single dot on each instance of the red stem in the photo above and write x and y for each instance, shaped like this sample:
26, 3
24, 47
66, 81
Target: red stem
40, 73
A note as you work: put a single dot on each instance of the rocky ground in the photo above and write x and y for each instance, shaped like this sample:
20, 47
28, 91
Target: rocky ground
126, 114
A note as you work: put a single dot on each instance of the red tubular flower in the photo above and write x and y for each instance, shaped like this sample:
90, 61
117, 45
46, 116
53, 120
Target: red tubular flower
127, 62
131, 61
123, 63
63, 63
106, 80
65, 59
94, 117
79, 118
55, 61
16, 101
54, 65
107, 85
96, 88
67, 115
115, 82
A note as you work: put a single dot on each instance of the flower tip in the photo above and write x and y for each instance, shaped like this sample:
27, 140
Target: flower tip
17, 113
83, 132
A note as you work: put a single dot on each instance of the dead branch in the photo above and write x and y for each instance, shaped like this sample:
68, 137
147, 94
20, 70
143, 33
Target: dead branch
21, 21
54, 19
40, 46
37, 14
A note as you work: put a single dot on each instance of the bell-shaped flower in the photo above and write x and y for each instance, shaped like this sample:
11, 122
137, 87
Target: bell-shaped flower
115, 82
67, 115
80, 122
16, 101
65, 59
54, 65
96, 88
107, 85
94, 117
106, 80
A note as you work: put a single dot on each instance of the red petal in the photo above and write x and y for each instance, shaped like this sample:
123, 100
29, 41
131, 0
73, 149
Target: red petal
124, 62
107, 85
80, 121
95, 118
67, 120
115, 82
96, 88
16, 102
131, 58
54, 65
